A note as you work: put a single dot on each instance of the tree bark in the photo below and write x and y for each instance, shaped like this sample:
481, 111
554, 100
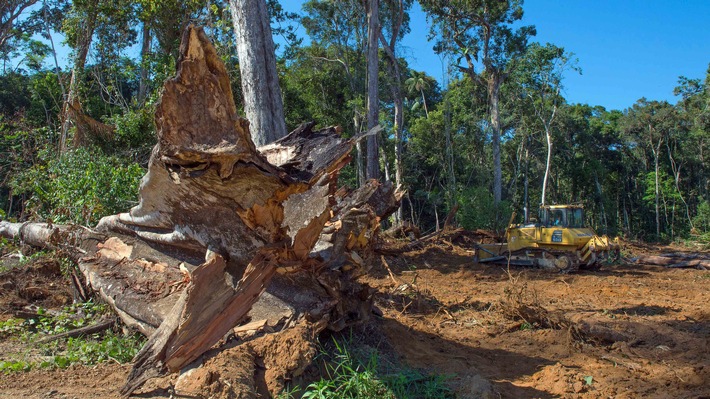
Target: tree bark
72, 100
494, 82
145, 52
263, 103
548, 161
218, 221
656, 169
398, 100
373, 109
698, 261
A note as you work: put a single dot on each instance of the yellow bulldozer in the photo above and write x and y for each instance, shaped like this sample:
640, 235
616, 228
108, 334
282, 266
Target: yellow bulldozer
558, 240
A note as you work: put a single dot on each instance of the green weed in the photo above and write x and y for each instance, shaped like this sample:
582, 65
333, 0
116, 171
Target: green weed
10, 327
86, 350
350, 376
71, 317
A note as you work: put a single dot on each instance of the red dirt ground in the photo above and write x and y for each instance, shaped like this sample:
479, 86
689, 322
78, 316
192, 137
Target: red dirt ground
444, 314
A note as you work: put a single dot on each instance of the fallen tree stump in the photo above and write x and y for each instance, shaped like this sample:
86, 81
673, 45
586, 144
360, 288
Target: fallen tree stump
677, 260
219, 222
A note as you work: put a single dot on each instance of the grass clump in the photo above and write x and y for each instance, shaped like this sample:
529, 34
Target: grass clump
349, 374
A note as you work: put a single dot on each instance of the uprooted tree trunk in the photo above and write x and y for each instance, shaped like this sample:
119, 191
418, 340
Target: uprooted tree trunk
677, 260
220, 221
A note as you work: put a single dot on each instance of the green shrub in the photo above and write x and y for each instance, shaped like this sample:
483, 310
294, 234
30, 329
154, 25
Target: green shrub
134, 136
701, 221
476, 210
349, 375
79, 187
61, 353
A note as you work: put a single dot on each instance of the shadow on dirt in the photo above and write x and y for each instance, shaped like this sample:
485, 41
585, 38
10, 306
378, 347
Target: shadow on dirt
643, 310
453, 261
438, 355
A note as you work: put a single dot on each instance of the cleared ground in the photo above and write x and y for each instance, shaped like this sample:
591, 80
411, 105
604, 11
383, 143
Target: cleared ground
626, 331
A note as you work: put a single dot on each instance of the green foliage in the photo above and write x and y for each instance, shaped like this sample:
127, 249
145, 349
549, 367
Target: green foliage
701, 221
134, 133
602, 159
71, 317
477, 211
666, 188
526, 326
26, 260
14, 93
485, 32
108, 347
80, 187
10, 327
351, 376
9, 366
86, 350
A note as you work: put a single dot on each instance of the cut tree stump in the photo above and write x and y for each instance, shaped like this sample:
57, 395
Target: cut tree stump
219, 222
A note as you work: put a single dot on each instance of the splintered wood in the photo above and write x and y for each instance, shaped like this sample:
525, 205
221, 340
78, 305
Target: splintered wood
220, 221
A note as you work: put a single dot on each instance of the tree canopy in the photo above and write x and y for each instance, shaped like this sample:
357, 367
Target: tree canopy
497, 135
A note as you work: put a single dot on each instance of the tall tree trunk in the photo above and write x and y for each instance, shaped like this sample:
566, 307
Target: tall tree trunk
263, 104
657, 194
451, 189
526, 200
57, 70
385, 164
426, 109
655, 151
601, 201
627, 222
548, 137
145, 52
373, 109
494, 82
359, 153
72, 99
436, 216
676, 178
398, 100
398, 126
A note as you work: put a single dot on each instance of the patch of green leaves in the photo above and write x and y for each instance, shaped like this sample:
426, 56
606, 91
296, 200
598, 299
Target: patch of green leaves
71, 317
98, 349
26, 260
86, 350
10, 327
10, 366
80, 186
348, 375
477, 210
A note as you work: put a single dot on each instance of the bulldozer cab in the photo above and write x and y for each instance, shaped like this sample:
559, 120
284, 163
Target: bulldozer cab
562, 216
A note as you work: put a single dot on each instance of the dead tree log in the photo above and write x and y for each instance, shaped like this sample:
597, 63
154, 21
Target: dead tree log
139, 282
220, 220
676, 260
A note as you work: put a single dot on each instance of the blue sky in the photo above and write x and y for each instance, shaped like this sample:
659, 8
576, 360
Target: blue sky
627, 49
